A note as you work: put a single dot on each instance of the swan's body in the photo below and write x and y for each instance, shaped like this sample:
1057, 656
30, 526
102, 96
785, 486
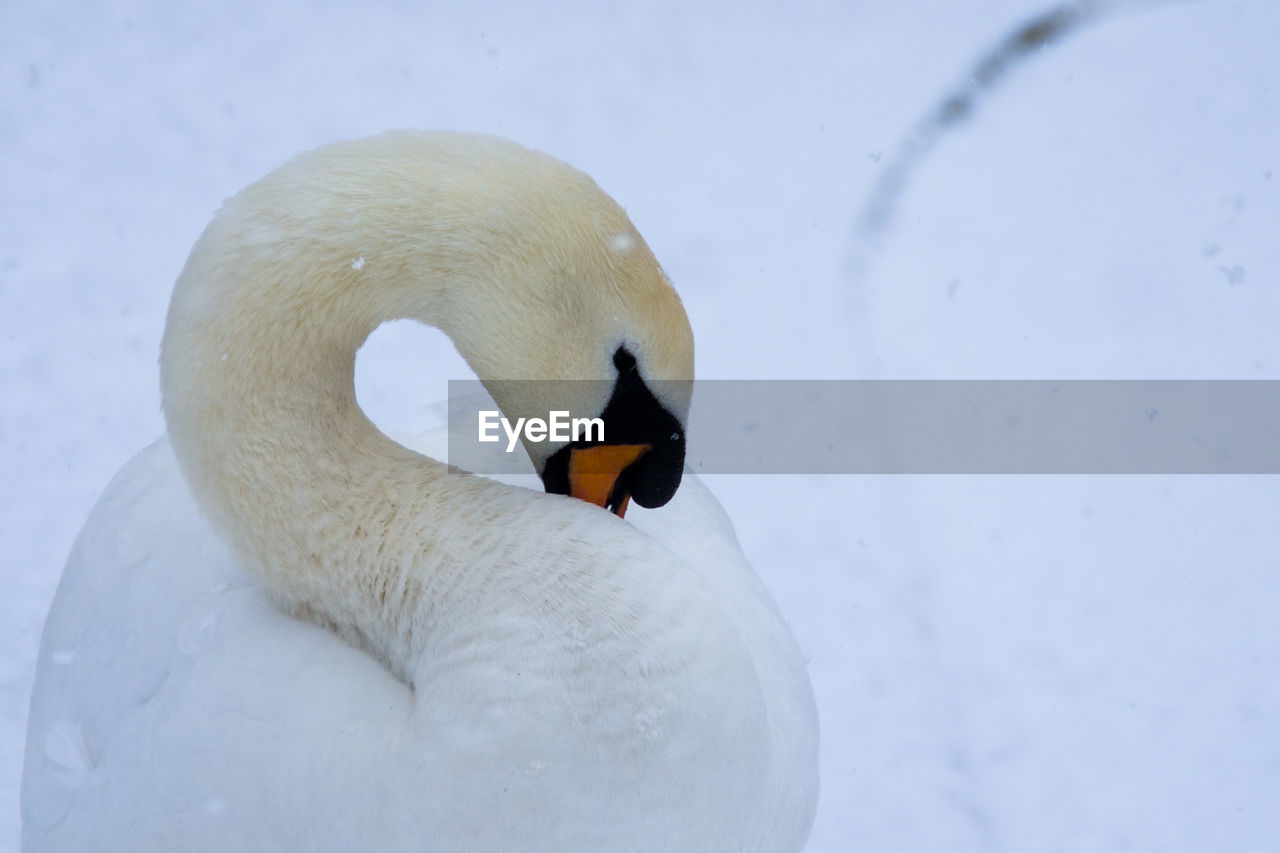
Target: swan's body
532, 673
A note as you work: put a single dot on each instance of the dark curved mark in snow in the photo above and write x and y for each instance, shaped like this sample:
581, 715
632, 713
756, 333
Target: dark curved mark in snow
961, 101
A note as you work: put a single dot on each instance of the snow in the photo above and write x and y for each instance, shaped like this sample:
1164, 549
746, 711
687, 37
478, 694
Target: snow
1001, 663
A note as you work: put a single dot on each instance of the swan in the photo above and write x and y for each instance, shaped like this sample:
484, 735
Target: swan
281, 630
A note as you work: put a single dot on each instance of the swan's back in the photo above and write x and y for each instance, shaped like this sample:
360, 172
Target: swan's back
215, 722
177, 709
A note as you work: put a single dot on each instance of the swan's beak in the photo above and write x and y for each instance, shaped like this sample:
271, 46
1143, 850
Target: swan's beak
597, 474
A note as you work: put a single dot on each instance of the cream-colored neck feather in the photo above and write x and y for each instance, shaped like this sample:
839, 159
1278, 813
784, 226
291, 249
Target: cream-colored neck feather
521, 260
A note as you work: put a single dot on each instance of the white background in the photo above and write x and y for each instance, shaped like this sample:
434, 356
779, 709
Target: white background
1020, 663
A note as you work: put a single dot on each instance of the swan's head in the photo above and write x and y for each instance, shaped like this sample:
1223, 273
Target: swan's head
570, 312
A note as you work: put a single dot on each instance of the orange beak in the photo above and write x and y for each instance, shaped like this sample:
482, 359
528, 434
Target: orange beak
594, 473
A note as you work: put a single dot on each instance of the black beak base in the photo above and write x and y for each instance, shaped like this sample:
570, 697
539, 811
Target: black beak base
633, 416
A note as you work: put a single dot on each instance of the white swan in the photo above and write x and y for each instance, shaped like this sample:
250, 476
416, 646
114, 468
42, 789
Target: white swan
521, 671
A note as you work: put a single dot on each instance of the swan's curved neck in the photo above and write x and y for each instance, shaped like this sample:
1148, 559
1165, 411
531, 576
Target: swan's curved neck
474, 236
257, 374
260, 402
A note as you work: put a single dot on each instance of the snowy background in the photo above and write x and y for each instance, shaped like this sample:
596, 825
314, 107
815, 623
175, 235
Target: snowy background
1001, 663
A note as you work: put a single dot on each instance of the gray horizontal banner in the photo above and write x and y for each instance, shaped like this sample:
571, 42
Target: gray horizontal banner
926, 426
